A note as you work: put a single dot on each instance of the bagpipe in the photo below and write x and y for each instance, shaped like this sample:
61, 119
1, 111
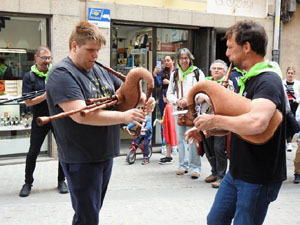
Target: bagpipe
125, 98
26, 96
228, 103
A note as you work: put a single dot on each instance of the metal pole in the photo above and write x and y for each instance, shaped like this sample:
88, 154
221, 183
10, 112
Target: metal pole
276, 38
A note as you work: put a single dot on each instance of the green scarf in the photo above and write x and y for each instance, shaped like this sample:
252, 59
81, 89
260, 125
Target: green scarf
41, 74
188, 71
257, 69
238, 70
211, 78
3, 68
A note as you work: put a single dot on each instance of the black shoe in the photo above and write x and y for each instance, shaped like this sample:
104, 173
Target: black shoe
25, 191
166, 160
297, 179
62, 187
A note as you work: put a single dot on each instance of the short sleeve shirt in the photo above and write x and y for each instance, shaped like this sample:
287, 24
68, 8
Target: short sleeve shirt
265, 163
79, 143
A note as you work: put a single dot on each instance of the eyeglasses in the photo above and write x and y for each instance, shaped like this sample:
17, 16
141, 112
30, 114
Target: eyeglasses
217, 68
46, 57
184, 58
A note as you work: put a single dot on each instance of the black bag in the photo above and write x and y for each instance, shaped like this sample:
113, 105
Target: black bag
292, 125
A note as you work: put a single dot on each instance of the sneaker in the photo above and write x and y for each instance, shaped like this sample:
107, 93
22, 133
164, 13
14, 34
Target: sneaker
174, 151
195, 175
297, 179
164, 150
62, 187
289, 147
211, 178
145, 161
25, 191
181, 172
166, 160
216, 184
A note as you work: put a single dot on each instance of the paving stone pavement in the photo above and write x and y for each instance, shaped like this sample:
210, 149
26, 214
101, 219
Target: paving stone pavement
137, 195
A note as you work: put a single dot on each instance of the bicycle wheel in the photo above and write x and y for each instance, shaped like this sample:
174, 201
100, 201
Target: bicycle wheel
131, 156
150, 151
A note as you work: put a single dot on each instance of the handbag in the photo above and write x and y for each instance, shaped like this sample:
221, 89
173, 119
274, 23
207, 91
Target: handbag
183, 119
292, 125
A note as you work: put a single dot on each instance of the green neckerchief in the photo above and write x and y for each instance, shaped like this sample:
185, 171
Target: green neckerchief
257, 69
3, 68
188, 71
41, 74
218, 81
238, 70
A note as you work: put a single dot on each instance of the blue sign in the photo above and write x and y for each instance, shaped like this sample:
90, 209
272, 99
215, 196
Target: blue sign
100, 17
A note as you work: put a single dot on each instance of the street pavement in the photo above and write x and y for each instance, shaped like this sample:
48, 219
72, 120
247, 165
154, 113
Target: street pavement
137, 195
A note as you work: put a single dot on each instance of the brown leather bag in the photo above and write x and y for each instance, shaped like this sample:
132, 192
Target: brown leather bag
183, 119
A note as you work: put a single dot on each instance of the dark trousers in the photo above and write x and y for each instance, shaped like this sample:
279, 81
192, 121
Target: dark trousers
87, 184
139, 139
218, 161
37, 137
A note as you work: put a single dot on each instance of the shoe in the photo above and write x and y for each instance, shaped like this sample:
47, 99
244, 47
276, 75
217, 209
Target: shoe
289, 147
166, 160
195, 175
181, 172
216, 184
25, 191
211, 178
164, 150
62, 187
145, 161
174, 151
297, 179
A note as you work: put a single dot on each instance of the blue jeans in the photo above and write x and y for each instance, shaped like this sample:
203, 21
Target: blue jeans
245, 203
87, 184
189, 159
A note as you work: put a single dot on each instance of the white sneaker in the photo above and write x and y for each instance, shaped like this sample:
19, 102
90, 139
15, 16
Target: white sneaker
289, 147
174, 150
164, 150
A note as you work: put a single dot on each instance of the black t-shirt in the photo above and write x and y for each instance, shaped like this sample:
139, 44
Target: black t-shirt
35, 84
266, 163
79, 143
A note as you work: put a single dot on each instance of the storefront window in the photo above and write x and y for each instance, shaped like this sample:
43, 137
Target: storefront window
20, 37
132, 46
169, 41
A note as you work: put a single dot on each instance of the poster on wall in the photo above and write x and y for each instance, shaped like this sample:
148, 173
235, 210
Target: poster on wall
99, 17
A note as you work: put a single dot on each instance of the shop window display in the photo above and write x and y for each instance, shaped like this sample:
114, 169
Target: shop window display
20, 37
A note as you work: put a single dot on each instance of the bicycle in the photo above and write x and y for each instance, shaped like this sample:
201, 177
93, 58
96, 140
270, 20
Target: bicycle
132, 151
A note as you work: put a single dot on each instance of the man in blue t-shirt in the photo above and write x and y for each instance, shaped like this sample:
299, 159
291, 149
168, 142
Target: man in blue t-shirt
87, 145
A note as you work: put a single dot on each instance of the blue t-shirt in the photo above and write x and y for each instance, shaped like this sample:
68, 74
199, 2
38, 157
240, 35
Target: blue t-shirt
79, 143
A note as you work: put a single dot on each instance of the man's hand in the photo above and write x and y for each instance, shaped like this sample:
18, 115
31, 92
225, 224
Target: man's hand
135, 115
192, 135
150, 105
204, 122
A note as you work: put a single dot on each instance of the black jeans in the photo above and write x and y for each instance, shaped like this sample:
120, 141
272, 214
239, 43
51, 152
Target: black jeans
37, 137
218, 161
